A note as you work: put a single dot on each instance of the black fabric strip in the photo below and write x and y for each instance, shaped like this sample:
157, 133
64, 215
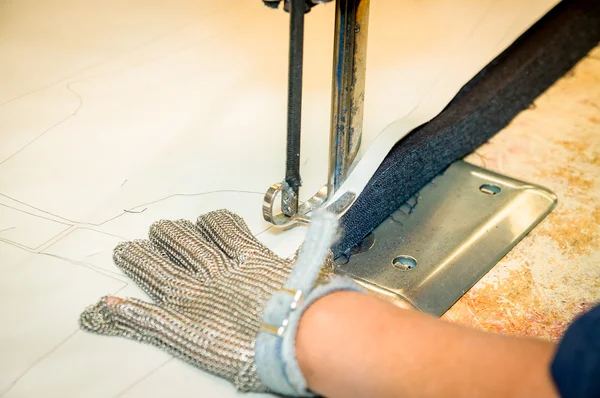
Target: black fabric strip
483, 107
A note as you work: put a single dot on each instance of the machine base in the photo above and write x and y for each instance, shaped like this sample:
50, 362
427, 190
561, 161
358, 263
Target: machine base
443, 240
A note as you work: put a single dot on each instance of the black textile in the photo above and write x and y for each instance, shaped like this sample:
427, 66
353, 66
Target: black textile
483, 107
576, 365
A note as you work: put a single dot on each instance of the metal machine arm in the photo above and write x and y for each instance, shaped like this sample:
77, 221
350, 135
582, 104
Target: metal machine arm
349, 67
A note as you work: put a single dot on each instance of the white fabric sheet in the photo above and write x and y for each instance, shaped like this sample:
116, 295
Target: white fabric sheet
114, 114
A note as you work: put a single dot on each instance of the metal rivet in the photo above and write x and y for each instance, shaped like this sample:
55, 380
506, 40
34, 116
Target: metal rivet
404, 263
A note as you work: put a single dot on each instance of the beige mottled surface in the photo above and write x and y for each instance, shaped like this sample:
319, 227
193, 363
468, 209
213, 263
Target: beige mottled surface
554, 273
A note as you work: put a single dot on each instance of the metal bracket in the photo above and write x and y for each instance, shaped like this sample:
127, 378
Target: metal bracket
442, 241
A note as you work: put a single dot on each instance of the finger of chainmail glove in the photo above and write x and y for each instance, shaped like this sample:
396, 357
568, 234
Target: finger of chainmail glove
210, 283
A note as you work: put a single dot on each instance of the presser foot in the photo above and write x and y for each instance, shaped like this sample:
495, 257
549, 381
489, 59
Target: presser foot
435, 247
302, 216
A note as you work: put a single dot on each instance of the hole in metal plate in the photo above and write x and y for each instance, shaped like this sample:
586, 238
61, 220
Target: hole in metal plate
457, 232
404, 263
490, 189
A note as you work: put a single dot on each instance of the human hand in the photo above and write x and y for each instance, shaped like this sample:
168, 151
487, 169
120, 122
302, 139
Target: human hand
211, 283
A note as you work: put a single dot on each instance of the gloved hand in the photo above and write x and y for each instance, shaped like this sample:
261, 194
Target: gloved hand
211, 283
286, 3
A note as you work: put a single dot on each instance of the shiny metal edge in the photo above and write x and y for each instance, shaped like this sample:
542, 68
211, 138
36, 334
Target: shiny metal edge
348, 88
440, 243
280, 220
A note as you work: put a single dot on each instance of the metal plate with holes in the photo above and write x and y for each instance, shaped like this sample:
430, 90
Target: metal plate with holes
442, 241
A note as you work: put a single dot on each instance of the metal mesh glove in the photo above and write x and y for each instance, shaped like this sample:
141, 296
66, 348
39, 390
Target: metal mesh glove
210, 282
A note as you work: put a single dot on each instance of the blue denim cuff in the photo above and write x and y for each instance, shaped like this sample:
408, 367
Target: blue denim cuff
275, 344
276, 353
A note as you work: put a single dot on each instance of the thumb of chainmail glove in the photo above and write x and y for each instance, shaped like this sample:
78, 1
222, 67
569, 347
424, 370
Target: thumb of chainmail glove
217, 290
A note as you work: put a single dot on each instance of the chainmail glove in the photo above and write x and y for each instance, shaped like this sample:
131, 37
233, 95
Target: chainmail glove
210, 282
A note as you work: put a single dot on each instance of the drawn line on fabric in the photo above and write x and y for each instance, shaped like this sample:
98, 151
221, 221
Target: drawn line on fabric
80, 225
68, 86
110, 274
212, 34
146, 376
115, 56
101, 270
80, 71
75, 222
130, 210
45, 355
57, 237
55, 125
135, 212
113, 275
40, 359
31, 214
35, 249
41, 245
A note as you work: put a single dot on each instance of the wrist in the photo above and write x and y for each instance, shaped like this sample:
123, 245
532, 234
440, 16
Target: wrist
323, 332
276, 352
